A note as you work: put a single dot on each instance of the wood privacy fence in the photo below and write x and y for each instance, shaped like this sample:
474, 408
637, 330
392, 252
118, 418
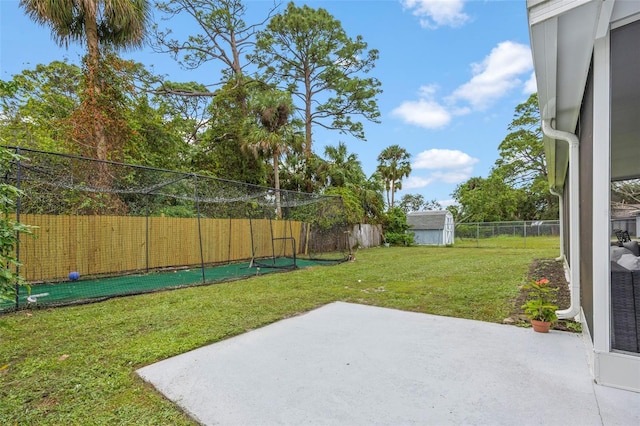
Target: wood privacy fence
365, 235
107, 245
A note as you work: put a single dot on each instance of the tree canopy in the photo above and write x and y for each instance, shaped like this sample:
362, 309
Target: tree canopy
307, 52
222, 35
295, 65
37, 103
393, 166
416, 202
101, 25
516, 188
270, 130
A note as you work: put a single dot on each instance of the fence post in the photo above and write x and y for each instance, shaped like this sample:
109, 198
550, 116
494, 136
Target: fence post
147, 233
524, 232
18, 205
195, 190
477, 234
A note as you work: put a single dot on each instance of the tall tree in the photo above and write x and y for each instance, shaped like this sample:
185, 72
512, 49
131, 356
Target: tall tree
223, 35
35, 106
307, 52
271, 130
393, 166
416, 203
522, 164
160, 135
488, 200
371, 195
221, 38
294, 171
521, 152
218, 148
193, 112
516, 188
115, 24
411, 203
341, 168
39, 109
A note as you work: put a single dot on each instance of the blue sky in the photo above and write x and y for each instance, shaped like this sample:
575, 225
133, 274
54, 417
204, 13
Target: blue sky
452, 73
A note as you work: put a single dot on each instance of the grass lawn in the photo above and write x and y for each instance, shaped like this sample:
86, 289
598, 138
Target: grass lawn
76, 365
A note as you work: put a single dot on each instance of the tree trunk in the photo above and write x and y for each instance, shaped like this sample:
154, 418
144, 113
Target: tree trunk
276, 178
307, 114
307, 131
393, 193
95, 128
388, 198
235, 65
94, 89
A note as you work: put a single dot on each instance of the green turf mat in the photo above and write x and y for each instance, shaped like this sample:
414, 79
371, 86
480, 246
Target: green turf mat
87, 289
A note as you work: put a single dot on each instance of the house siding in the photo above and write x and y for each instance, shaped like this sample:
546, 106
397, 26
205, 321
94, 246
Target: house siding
566, 231
587, 75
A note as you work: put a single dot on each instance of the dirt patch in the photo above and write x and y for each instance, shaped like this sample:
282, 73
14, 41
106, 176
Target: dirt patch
553, 270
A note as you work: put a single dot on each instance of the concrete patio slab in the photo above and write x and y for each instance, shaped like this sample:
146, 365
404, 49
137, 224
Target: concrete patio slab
349, 364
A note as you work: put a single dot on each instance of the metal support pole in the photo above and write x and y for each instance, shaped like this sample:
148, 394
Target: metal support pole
147, 234
195, 184
18, 206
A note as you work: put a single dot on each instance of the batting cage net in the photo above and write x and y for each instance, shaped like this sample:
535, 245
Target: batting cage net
104, 229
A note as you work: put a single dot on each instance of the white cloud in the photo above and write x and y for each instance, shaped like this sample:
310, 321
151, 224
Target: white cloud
447, 203
438, 13
443, 159
531, 85
453, 176
428, 91
461, 110
424, 113
503, 70
449, 166
496, 75
415, 182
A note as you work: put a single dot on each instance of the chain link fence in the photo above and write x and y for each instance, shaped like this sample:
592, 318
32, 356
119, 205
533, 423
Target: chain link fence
496, 234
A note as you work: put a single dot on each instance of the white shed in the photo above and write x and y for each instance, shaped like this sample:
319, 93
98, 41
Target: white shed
434, 227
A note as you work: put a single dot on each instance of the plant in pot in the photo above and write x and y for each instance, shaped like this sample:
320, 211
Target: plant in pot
539, 307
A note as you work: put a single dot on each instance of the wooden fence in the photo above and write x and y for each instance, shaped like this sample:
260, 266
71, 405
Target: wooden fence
96, 245
365, 236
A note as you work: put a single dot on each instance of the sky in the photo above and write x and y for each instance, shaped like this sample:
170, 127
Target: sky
452, 74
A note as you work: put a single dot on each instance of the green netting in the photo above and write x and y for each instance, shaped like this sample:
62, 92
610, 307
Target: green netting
129, 223
86, 290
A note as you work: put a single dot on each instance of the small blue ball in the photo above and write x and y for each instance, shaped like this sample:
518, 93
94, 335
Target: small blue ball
74, 276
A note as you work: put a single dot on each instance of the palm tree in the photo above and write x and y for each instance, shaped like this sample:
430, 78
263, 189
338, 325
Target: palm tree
372, 199
393, 166
116, 24
270, 131
341, 168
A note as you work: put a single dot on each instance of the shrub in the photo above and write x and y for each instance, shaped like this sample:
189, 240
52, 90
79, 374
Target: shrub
10, 230
395, 227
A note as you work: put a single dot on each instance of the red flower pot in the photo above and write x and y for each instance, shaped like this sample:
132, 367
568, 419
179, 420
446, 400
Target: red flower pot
541, 326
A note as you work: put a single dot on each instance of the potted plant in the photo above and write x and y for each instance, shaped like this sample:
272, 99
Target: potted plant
539, 308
